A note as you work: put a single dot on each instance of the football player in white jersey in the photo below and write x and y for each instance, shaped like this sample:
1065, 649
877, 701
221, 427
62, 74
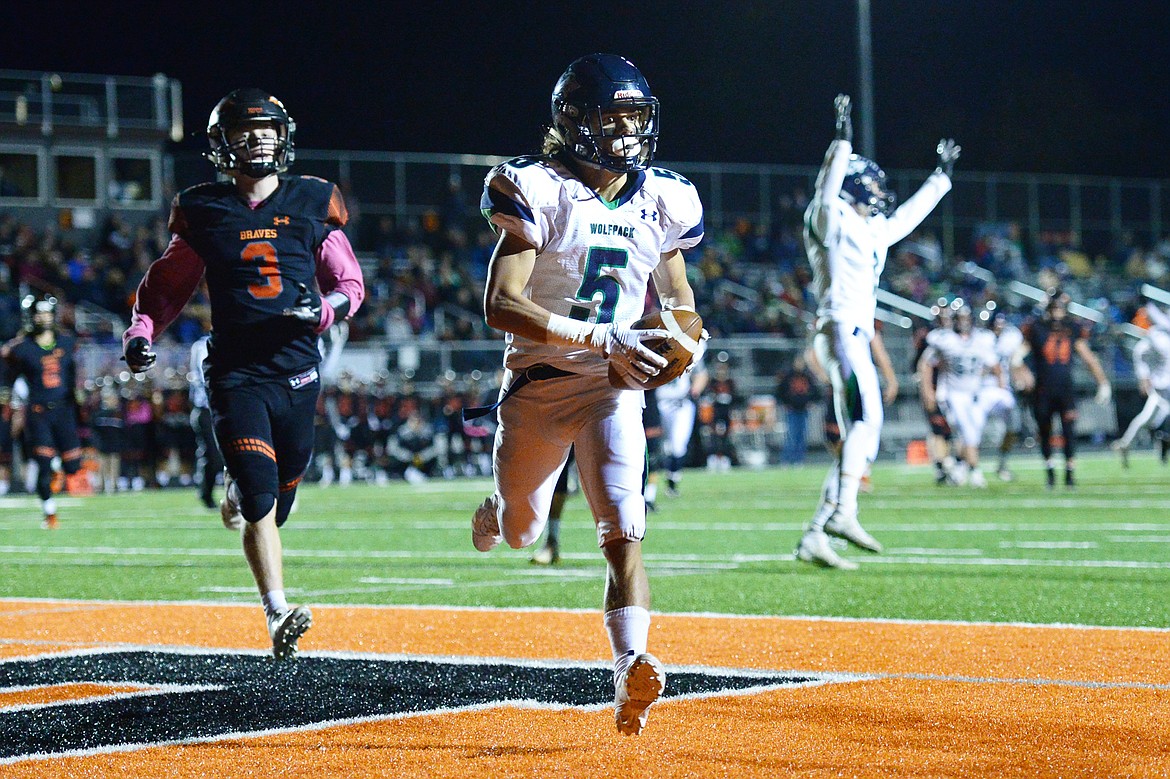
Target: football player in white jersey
676, 410
849, 226
963, 357
1151, 366
583, 227
998, 399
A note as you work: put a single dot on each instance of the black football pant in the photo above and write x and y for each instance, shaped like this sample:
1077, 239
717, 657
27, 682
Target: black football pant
208, 461
1047, 404
51, 430
265, 433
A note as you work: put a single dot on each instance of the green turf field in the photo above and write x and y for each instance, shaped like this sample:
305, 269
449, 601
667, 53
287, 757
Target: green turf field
1014, 552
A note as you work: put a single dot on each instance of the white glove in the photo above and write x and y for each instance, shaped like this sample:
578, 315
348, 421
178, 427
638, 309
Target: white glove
625, 348
1104, 393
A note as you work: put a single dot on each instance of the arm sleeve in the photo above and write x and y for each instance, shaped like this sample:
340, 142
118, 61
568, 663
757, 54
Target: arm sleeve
828, 189
685, 218
917, 207
338, 271
164, 290
507, 205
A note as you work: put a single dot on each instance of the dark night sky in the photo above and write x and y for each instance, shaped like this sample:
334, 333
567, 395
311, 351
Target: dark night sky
1056, 87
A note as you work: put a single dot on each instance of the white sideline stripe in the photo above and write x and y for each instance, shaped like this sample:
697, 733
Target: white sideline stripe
63, 605
144, 690
1049, 545
661, 563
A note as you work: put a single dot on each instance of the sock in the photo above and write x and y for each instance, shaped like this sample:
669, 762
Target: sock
4, 487
650, 493
829, 491
629, 632
50, 506
554, 532
847, 494
274, 602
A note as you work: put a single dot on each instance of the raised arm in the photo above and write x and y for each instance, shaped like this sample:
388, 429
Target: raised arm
919, 205
832, 172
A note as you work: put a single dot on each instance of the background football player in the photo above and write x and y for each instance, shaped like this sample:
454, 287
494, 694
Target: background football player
998, 398
850, 224
43, 357
676, 411
1151, 366
266, 243
962, 356
583, 227
1051, 341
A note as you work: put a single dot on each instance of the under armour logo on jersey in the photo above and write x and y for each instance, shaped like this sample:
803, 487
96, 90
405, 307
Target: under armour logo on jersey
651, 216
280, 220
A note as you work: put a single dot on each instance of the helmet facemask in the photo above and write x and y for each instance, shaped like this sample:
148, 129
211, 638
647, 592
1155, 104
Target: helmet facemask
243, 109
620, 137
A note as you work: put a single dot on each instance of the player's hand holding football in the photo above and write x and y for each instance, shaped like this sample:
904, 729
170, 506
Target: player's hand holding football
625, 347
844, 120
307, 307
139, 356
948, 151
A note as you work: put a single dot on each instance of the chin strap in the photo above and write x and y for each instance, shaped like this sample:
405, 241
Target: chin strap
340, 305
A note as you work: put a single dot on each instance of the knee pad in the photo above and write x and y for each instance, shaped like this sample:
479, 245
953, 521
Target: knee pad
284, 506
256, 506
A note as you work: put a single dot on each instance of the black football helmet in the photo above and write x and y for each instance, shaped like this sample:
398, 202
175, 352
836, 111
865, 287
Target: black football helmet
865, 183
596, 86
31, 305
243, 107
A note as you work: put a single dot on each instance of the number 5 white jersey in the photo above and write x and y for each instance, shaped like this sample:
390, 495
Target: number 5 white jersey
848, 251
593, 258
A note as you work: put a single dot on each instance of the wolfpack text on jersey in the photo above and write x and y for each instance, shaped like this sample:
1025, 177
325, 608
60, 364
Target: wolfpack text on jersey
594, 258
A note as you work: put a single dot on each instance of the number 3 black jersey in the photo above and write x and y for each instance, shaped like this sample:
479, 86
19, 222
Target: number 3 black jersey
255, 255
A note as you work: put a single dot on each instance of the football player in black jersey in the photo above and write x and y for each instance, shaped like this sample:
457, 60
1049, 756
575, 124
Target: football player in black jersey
279, 271
44, 358
1051, 341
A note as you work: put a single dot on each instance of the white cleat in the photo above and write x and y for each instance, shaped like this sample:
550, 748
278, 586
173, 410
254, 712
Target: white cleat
546, 555
846, 526
977, 480
229, 507
285, 628
814, 548
485, 525
635, 690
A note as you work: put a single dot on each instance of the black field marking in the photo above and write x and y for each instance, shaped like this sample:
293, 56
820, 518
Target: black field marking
250, 694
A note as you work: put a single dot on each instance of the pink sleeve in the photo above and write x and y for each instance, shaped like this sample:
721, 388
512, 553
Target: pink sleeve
338, 271
164, 290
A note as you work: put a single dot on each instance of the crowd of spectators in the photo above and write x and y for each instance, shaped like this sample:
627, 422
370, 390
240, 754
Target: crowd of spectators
425, 274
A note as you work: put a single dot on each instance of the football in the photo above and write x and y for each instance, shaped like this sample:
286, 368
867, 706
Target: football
685, 327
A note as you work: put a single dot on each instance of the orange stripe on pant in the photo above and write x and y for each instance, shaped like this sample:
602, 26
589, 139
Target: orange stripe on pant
258, 445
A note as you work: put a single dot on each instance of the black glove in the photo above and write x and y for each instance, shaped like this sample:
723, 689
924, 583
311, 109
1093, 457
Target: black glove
844, 121
948, 152
307, 307
139, 355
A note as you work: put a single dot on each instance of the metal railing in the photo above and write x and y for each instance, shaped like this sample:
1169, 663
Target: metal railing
1093, 211
86, 101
